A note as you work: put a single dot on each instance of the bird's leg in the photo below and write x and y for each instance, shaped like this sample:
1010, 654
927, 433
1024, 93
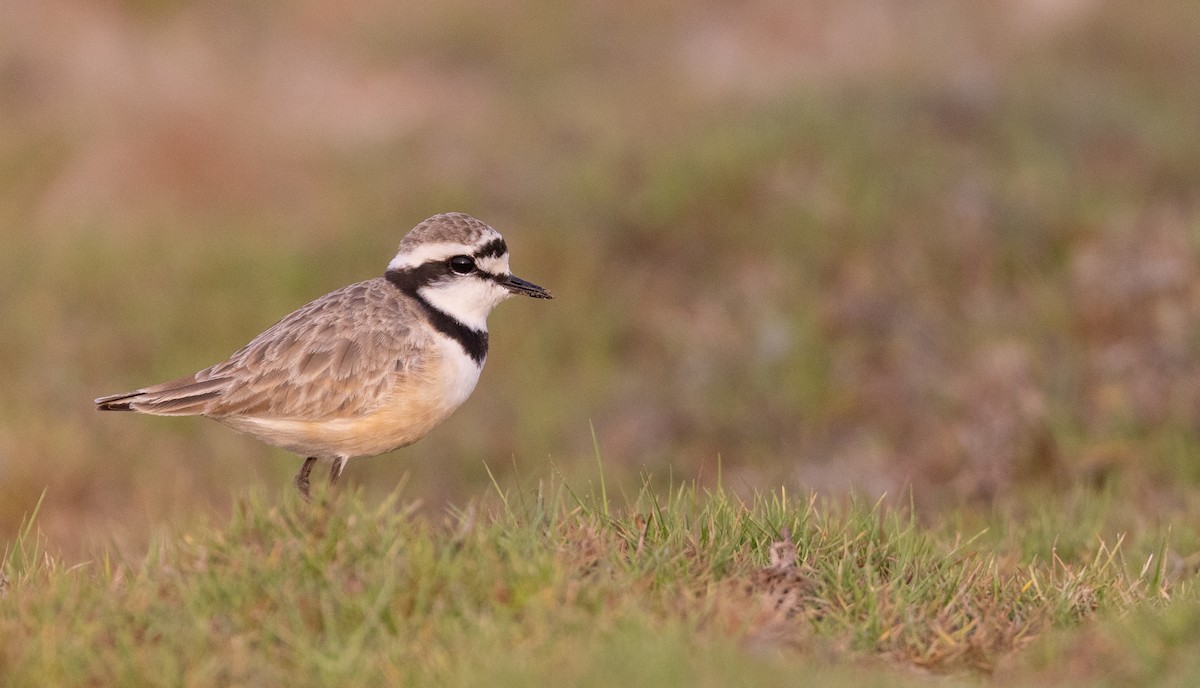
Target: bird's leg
302, 478
335, 471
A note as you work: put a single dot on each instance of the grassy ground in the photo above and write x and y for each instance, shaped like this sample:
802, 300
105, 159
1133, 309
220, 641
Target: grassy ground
935, 263
552, 586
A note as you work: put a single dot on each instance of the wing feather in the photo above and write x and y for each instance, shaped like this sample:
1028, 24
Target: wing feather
334, 357
338, 356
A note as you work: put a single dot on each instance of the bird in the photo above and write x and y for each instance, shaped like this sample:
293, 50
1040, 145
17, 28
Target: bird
367, 368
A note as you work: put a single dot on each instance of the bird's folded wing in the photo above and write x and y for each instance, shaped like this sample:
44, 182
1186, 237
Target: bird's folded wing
338, 356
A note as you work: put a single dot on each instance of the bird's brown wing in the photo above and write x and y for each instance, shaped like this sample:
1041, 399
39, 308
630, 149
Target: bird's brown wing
338, 356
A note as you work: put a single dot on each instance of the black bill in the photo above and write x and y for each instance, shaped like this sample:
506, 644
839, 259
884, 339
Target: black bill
519, 286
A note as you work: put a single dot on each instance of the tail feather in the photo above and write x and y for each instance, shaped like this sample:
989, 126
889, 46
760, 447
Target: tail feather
183, 397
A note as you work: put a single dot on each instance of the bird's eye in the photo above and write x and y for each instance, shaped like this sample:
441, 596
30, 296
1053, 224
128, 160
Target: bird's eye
462, 264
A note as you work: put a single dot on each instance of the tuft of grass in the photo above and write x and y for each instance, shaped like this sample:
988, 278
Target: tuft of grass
676, 586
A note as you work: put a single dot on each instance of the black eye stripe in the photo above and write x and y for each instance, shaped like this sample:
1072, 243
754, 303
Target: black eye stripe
409, 280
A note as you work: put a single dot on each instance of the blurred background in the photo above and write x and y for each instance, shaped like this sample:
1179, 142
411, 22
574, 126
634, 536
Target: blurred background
939, 247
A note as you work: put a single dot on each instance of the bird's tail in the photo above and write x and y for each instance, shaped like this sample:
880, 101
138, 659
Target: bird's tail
186, 396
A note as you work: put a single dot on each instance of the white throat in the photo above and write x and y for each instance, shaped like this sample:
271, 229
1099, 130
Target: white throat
467, 300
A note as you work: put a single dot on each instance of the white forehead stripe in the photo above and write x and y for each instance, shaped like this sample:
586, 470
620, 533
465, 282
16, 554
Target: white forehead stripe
496, 265
428, 252
439, 251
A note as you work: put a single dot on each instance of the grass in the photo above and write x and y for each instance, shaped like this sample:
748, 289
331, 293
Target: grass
670, 588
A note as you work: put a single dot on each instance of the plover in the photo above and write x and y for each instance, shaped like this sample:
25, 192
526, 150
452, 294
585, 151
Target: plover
365, 369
